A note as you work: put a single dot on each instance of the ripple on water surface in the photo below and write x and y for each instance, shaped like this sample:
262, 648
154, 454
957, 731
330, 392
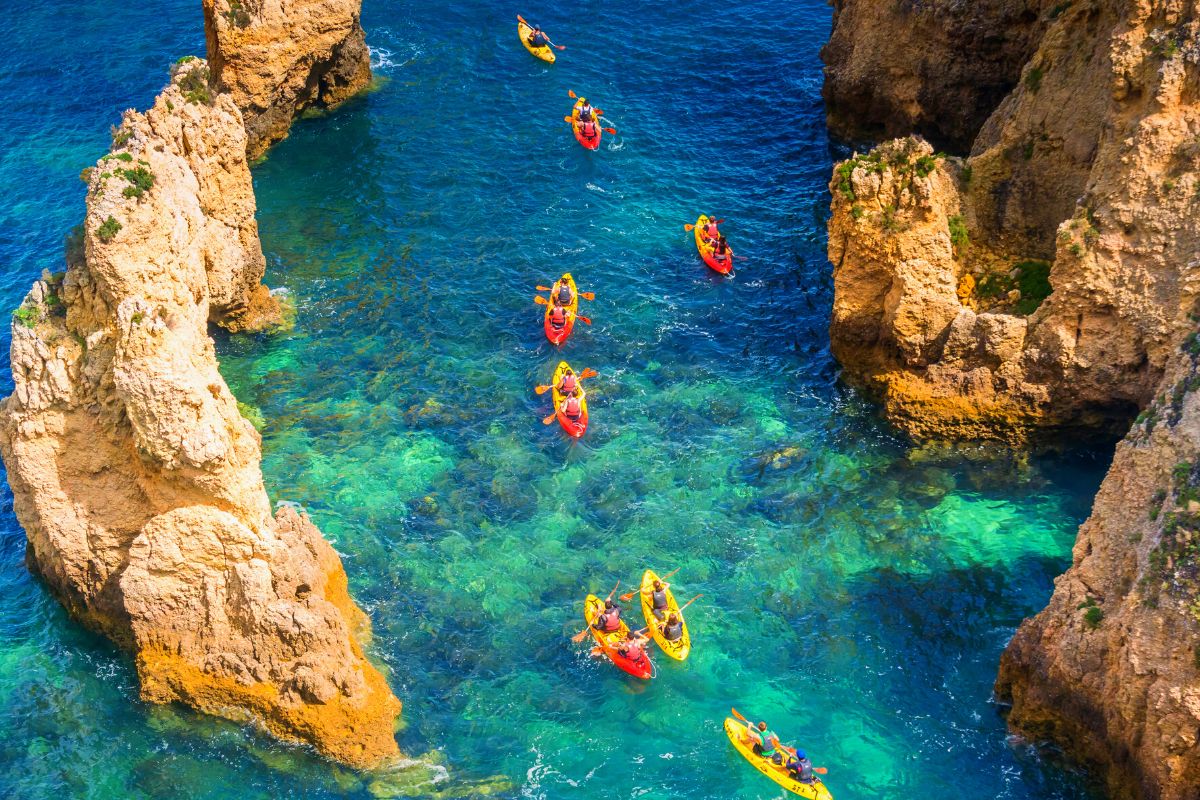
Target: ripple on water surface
856, 590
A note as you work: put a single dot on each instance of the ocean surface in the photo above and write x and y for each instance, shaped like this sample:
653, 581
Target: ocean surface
857, 591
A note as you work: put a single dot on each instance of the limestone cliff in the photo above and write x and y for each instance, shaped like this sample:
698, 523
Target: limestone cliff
276, 58
134, 475
970, 54
1111, 667
1090, 166
1049, 281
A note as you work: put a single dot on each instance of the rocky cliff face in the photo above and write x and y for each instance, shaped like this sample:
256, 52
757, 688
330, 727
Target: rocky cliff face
1049, 281
1085, 177
1111, 667
877, 84
134, 475
276, 58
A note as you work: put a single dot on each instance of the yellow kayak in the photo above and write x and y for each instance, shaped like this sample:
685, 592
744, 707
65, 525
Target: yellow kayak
736, 731
573, 427
545, 53
707, 251
681, 647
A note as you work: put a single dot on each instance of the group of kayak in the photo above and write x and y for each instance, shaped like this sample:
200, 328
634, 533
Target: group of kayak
665, 625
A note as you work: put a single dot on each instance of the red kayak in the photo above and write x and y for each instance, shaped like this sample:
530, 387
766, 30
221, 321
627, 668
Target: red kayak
590, 139
608, 642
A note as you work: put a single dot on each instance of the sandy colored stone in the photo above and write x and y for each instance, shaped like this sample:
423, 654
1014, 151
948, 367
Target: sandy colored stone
278, 58
135, 477
1091, 162
969, 57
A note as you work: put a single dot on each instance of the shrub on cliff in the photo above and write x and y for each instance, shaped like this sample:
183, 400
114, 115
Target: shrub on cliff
194, 85
141, 178
108, 230
28, 315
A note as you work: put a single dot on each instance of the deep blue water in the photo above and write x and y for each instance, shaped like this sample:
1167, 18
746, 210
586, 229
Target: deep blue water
857, 590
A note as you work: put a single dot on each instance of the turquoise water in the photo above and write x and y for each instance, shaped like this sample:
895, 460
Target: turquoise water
857, 591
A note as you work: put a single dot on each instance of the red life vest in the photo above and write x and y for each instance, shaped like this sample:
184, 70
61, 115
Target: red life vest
573, 411
558, 316
568, 383
611, 620
711, 230
588, 129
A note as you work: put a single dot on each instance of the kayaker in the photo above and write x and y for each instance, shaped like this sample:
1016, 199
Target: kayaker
721, 249
800, 768
537, 38
673, 630
710, 230
767, 743
634, 647
568, 383
564, 295
588, 129
585, 110
558, 316
573, 410
609, 620
658, 598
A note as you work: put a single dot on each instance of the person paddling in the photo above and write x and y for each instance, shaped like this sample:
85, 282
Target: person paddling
586, 112
721, 250
710, 231
766, 743
537, 38
800, 768
658, 598
568, 383
634, 647
564, 295
558, 316
673, 630
609, 620
588, 128
572, 409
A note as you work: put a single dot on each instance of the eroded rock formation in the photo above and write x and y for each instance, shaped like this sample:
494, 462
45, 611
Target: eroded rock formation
970, 54
1111, 667
1091, 164
276, 58
1049, 281
134, 475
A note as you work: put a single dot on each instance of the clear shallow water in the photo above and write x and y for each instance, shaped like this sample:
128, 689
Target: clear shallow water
857, 592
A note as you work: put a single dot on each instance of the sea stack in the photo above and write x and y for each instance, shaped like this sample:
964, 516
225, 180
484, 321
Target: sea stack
136, 478
1043, 278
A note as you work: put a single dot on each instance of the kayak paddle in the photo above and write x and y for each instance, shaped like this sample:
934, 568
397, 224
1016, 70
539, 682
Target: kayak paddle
571, 121
550, 418
625, 598
521, 20
689, 602
579, 637
541, 301
595, 110
584, 295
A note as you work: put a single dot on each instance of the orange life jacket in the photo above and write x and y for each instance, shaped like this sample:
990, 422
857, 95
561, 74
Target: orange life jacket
568, 383
573, 409
558, 316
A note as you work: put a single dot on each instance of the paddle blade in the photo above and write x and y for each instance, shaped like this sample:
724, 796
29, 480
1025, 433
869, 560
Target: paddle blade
571, 94
718, 222
583, 319
579, 637
541, 389
736, 715
560, 46
611, 131
547, 421
586, 295
568, 120
597, 651
689, 227
541, 301
625, 598
543, 288
819, 770
521, 20
588, 373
